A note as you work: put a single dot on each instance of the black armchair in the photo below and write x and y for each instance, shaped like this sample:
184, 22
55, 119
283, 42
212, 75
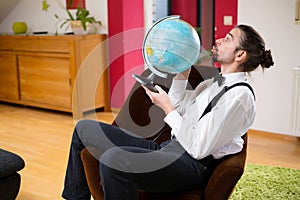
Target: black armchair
10, 179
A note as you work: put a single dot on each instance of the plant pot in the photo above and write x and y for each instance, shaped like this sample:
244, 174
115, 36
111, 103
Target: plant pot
78, 29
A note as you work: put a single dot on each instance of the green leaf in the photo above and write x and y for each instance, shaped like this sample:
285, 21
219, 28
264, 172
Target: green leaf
64, 23
70, 4
70, 15
83, 22
45, 5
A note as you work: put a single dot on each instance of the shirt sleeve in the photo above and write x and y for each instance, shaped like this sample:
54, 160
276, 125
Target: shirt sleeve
177, 94
231, 117
180, 97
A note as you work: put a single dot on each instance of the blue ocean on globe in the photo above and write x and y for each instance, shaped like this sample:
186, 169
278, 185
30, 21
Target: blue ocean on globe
171, 46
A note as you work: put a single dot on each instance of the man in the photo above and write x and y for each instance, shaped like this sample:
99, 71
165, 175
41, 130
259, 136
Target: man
129, 163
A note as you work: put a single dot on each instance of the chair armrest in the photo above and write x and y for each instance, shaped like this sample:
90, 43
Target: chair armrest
10, 163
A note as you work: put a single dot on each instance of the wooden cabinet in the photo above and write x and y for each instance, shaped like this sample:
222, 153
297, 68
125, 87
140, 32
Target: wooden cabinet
66, 73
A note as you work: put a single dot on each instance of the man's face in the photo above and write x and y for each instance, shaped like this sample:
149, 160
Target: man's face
225, 48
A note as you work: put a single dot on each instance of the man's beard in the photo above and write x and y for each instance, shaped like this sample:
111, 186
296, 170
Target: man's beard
215, 54
215, 57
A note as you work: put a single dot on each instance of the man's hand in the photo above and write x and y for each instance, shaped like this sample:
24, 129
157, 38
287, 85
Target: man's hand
160, 98
183, 75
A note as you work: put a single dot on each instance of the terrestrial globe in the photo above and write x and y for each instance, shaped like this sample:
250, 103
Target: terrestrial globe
171, 46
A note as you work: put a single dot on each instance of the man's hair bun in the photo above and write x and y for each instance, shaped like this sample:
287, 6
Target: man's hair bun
267, 59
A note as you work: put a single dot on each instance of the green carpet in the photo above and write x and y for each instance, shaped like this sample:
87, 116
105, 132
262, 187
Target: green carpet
267, 182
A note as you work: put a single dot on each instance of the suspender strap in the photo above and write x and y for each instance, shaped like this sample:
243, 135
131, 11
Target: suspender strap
214, 101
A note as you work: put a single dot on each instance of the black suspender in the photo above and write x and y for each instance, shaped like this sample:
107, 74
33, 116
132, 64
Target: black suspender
214, 101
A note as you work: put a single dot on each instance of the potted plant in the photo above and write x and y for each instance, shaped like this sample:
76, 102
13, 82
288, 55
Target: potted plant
81, 22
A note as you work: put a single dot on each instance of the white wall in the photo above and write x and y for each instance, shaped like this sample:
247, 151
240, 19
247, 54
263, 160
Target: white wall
274, 21
31, 12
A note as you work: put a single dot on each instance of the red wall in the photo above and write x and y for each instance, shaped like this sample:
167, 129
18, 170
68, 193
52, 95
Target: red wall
126, 34
224, 8
186, 9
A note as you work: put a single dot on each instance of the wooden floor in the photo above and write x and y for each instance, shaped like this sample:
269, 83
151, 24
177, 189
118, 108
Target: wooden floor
42, 139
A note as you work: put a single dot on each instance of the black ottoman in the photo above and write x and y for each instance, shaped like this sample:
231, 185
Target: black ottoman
10, 179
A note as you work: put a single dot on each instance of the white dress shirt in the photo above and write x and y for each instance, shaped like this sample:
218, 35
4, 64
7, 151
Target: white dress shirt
219, 132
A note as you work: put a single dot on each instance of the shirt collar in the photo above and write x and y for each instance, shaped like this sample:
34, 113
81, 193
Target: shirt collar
233, 77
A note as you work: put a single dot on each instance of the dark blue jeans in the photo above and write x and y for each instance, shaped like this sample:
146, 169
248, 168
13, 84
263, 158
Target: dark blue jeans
129, 163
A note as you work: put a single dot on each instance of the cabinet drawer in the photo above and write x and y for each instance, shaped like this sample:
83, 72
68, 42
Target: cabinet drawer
45, 80
19, 43
36, 43
54, 45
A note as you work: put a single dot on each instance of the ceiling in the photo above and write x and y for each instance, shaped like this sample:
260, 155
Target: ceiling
5, 7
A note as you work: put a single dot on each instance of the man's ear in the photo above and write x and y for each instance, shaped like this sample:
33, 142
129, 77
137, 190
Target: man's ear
240, 55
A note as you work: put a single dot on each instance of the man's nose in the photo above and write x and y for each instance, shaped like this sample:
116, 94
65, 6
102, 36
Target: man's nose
219, 41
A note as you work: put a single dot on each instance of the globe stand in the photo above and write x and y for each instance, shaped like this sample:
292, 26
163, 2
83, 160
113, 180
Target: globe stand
146, 81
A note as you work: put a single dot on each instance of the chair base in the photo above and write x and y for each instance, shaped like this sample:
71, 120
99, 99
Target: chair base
10, 180
10, 186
